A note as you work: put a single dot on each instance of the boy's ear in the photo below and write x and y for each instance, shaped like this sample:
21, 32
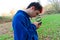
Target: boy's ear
33, 8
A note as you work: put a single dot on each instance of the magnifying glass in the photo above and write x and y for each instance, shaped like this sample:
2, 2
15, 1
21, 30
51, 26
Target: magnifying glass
38, 19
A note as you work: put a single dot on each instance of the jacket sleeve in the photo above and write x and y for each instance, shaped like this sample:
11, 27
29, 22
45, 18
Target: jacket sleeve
33, 26
20, 32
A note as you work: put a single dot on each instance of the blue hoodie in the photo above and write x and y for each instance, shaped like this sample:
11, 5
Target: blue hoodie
23, 28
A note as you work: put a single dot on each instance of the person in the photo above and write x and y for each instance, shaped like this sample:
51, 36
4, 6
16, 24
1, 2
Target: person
23, 28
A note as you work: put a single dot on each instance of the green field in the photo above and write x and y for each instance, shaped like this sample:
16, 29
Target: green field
49, 30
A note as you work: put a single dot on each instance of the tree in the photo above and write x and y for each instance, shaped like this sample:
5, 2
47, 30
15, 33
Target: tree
55, 4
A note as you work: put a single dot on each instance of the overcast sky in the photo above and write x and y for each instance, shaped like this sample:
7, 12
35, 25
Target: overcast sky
7, 5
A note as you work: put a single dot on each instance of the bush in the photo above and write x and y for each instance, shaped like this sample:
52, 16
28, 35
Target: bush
5, 19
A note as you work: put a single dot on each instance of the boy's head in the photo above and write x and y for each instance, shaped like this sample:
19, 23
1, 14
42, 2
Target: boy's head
36, 5
35, 8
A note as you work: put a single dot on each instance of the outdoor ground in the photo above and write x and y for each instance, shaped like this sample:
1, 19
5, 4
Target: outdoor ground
49, 30
6, 32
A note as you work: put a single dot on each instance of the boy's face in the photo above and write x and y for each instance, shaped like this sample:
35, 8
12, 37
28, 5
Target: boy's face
35, 13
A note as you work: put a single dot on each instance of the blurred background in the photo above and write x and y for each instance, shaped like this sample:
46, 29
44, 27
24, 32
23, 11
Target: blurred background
50, 28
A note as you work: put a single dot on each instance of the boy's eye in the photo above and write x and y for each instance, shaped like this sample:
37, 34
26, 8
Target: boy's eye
37, 13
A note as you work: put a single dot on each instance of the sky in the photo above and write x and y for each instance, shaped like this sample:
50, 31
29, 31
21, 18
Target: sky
7, 5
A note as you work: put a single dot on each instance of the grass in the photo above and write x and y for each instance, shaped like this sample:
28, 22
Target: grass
6, 37
49, 30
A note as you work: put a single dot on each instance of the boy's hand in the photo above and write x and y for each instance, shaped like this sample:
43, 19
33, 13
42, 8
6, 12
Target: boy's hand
37, 24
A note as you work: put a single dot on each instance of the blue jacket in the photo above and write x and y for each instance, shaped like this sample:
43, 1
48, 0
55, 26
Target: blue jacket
23, 28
